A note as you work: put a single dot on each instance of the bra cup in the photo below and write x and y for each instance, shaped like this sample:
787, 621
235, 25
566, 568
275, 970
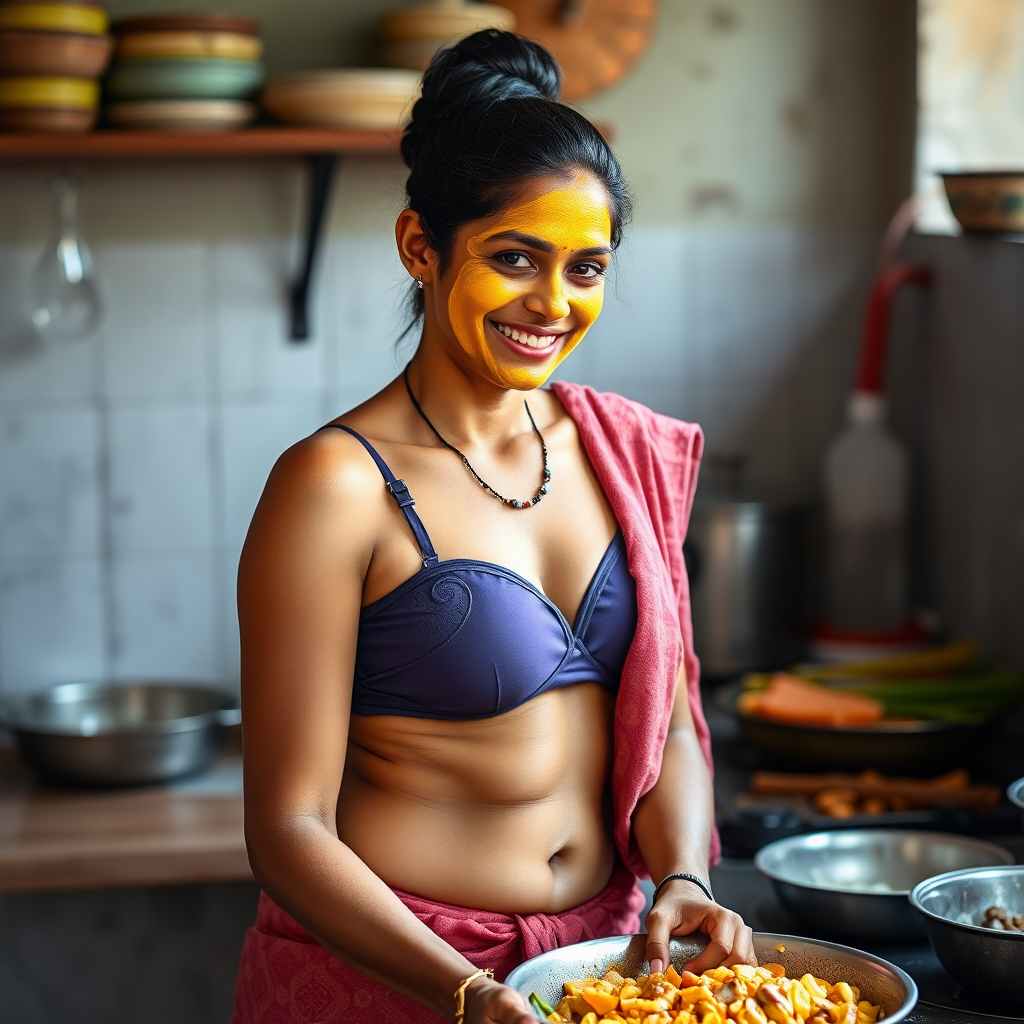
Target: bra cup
467, 639
438, 610
612, 623
488, 658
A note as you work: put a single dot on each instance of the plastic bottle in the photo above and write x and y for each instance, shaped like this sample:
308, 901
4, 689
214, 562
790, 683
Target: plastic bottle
866, 491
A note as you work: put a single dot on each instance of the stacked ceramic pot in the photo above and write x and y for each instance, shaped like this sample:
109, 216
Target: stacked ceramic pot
184, 72
52, 55
381, 99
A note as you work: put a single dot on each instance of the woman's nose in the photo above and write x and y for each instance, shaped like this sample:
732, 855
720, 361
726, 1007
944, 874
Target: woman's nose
548, 298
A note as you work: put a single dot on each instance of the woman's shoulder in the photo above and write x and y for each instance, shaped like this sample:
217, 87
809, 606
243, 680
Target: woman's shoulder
328, 476
335, 461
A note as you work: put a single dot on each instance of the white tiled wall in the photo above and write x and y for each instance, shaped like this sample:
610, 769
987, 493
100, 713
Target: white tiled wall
130, 465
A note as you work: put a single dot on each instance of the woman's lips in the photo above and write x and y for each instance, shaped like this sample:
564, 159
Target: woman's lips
534, 342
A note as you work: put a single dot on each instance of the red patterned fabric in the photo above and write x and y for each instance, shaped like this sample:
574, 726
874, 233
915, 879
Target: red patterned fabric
647, 466
287, 977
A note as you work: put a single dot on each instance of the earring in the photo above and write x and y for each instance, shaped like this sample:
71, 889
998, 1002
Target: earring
419, 281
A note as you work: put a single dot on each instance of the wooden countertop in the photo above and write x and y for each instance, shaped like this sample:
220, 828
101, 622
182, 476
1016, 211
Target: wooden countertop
188, 831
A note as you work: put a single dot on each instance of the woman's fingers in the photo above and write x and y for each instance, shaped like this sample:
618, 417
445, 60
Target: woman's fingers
487, 1002
731, 942
511, 1008
659, 931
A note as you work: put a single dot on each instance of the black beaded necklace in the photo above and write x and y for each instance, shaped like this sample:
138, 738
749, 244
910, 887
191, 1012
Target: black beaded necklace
511, 502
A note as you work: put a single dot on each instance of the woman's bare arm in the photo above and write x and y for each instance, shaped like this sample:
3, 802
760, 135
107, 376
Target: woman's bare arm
299, 596
672, 824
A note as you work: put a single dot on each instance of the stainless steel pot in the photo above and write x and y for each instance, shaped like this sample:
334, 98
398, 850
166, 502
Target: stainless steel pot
880, 982
120, 734
857, 881
745, 557
953, 905
1015, 793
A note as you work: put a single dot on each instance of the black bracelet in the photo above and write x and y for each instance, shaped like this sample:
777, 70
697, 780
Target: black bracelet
686, 876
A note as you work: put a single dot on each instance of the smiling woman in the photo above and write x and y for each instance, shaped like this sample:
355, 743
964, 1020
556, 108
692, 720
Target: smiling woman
462, 742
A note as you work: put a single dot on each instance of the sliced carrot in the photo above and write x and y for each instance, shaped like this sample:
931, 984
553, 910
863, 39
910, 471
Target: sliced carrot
797, 702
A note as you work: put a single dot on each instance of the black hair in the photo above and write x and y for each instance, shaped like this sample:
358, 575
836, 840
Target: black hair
489, 119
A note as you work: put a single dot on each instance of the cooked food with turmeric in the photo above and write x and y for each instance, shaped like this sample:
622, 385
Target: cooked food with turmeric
744, 994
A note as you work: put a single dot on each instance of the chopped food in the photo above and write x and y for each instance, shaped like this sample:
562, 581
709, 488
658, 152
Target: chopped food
741, 994
799, 702
998, 919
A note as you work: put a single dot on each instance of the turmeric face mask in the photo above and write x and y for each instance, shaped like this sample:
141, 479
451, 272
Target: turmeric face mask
529, 282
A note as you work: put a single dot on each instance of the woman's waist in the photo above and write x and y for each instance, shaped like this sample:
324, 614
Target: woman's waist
542, 856
614, 909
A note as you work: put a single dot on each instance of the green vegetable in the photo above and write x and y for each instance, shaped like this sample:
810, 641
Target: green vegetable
539, 1005
966, 698
969, 697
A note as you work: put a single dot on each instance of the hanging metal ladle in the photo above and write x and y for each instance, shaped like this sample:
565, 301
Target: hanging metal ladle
63, 298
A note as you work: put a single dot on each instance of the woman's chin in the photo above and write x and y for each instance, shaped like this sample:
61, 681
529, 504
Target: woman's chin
520, 366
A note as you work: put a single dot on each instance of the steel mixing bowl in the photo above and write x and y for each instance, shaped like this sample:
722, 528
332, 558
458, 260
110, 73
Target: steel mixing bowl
1015, 794
879, 981
120, 734
982, 959
856, 881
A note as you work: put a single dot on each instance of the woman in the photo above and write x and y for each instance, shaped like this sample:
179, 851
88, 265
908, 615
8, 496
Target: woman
470, 703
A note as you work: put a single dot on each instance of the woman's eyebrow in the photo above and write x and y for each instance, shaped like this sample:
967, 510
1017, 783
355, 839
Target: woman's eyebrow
533, 242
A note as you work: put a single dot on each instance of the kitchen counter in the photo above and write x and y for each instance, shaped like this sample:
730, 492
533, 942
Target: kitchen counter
185, 831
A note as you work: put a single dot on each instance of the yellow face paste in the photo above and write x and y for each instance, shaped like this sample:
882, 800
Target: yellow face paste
569, 219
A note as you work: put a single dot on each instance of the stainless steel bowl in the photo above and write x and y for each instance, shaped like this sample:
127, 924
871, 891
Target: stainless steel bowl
856, 881
952, 906
120, 734
1015, 793
879, 981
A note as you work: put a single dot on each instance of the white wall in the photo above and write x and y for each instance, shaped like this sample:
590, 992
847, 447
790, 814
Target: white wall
130, 465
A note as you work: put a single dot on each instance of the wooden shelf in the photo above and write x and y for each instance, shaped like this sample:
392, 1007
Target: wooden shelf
112, 144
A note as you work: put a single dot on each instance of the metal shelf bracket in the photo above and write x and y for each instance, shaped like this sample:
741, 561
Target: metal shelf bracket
322, 168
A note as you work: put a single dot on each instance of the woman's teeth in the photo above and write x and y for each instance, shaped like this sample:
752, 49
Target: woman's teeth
530, 340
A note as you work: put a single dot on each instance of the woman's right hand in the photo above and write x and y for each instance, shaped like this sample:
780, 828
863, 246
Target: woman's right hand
488, 1002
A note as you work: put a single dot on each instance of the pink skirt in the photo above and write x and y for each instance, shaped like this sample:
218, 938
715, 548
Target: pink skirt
287, 977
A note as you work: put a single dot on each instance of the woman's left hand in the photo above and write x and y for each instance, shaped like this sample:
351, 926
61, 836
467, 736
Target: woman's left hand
681, 909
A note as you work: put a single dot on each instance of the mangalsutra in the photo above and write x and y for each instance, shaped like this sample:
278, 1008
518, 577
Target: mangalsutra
511, 502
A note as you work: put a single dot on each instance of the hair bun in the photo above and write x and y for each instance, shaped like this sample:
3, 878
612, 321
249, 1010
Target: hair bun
487, 67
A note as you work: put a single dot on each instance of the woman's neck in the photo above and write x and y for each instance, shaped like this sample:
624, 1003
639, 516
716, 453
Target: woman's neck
467, 411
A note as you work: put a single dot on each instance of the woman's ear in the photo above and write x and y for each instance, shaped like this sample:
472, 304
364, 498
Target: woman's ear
413, 248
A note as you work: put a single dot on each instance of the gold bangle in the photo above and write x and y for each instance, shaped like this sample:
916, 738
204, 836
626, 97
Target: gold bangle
460, 992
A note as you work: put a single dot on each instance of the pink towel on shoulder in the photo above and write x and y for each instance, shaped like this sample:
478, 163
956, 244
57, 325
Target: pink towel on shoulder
647, 466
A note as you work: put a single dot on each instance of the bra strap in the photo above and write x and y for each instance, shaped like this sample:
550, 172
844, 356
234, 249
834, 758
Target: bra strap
403, 499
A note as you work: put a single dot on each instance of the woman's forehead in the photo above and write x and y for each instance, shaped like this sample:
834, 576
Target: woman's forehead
568, 213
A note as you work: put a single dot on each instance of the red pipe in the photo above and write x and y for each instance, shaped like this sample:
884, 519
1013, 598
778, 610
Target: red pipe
876, 320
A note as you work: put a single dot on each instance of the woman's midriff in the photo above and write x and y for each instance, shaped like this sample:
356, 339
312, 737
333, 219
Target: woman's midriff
503, 814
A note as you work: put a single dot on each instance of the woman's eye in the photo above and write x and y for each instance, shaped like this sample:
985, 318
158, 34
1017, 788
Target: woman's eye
515, 260
589, 270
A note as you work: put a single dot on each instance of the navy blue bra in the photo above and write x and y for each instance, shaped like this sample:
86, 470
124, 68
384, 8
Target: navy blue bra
469, 639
